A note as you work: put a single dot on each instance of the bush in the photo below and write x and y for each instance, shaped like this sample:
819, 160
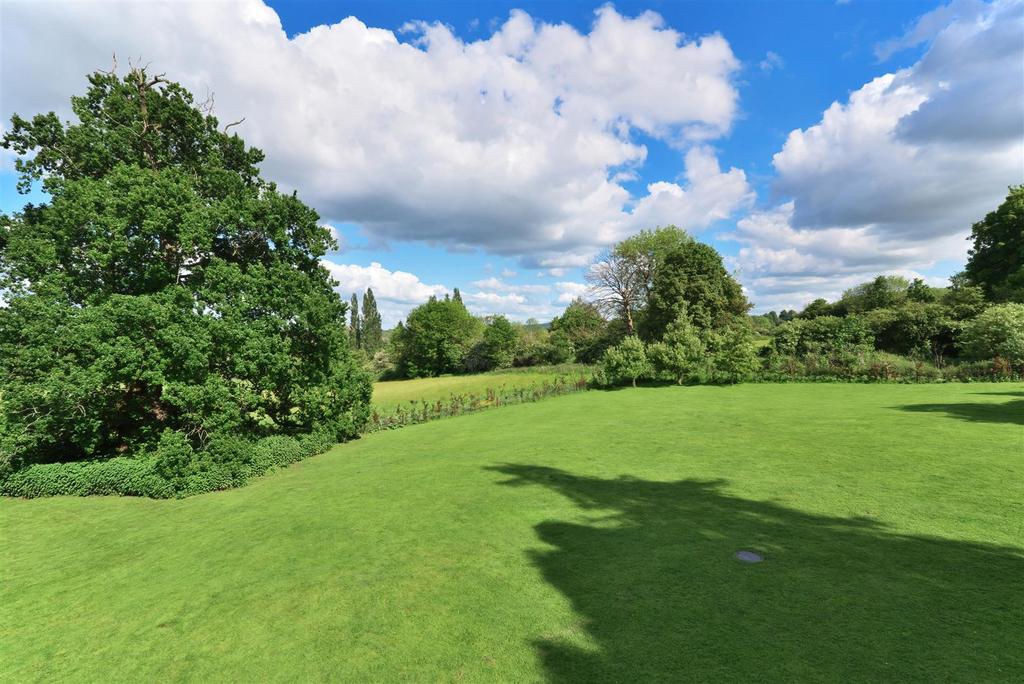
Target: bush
997, 332
174, 469
124, 476
921, 330
681, 352
829, 337
733, 356
626, 361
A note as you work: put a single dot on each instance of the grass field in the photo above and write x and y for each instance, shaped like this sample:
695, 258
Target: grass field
389, 394
585, 538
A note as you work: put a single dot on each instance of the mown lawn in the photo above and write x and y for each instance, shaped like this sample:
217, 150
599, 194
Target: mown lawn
584, 538
389, 394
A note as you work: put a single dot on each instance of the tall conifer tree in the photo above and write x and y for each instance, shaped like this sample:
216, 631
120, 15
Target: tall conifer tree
355, 332
371, 326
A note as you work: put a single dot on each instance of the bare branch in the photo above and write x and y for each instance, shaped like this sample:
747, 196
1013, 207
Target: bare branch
233, 123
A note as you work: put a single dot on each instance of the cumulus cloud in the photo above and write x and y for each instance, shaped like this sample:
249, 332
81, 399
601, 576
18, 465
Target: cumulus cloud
892, 179
518, 142
570, 291
396, 292
502, 286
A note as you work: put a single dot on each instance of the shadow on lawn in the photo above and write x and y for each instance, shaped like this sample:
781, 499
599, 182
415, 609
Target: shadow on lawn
1006, 412
660, 596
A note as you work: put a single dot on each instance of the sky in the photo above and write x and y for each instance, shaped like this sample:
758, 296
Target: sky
499, 147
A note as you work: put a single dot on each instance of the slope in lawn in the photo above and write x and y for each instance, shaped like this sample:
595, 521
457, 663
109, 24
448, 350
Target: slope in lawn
585, 538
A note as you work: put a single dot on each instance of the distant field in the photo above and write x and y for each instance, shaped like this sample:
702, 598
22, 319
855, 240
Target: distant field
391, 393
585, 538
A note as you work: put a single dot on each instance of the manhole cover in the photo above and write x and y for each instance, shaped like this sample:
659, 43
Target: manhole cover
749, 556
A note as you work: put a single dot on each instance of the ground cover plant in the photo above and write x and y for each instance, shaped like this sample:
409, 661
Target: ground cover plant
587, 538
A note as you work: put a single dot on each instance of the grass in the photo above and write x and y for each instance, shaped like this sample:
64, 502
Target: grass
585, 538
389, 394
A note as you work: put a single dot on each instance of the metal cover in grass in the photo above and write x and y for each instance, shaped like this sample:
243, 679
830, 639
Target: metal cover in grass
749, 556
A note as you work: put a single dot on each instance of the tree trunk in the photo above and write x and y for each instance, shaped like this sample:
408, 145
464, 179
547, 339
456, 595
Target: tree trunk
634, 382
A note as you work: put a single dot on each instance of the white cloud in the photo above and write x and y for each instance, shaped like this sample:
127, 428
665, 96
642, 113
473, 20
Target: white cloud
517, 143
396, 292
570, 291
771, 62
891, 180
502, 286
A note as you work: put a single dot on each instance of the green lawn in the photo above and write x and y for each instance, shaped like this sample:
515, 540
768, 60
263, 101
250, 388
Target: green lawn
389, 394
584, 538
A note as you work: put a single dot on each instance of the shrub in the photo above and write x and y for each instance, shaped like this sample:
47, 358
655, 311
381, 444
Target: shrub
998, 332
921, 330
626, 361
681, 351
733, 356
829, 337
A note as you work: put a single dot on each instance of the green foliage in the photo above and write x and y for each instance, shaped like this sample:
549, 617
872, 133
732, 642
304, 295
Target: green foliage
996, 261
355, 324
165, 289
824, 336
998, 332
819, 307
921, 330
732, 351
372, 335
962, 299
681, 353
693, 277
436, 338
919, 291
626, 361
173, 471
585, 328
884, 292
499, 344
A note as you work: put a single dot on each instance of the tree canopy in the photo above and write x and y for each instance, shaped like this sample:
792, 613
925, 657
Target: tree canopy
996, 261
165, 287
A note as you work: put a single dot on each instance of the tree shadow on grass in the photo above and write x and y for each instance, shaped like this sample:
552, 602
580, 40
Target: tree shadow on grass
660, 596
1006, 412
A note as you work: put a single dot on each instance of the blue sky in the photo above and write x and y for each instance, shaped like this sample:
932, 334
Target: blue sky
813, 143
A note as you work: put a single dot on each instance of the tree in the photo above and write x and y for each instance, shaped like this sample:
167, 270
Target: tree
693, 279
164, 288
617, 287
732, 351
372, 334
925, 330
626, 360
435, 339
499, 343
962, 299
456, 295
585, 328
622, 279
884, 292
996, 259
355, 326
681, 351
648, 249
997, 332
919, 291
819, 307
